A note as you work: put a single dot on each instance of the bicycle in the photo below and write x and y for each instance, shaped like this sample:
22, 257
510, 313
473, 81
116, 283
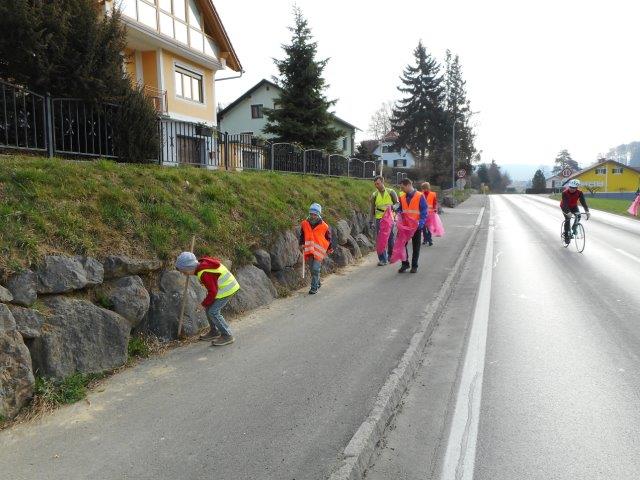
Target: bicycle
576, 233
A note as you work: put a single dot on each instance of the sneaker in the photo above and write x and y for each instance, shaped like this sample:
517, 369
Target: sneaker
223, 340
567, 239
403, 268
431, 244
381, 263
210, 335
313, 291
413, 270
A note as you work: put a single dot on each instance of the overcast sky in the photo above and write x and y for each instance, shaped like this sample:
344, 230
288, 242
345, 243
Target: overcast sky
543, 75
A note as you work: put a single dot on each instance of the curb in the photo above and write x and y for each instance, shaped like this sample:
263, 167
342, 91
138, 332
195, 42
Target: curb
362, 446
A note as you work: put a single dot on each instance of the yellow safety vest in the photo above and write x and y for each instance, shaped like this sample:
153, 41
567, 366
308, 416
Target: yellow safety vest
383, 201
227, 283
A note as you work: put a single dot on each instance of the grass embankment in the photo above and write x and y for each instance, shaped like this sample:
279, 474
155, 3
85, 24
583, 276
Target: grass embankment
611, 205
101, 207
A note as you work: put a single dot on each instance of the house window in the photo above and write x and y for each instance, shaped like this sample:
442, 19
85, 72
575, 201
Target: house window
387, 148
344, 143
617, 170
256, 111
399, 163
385, 163
601, 170
188, 85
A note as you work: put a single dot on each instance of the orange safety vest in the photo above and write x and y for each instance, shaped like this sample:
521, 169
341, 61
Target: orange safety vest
413, 208
431, 199
315, 241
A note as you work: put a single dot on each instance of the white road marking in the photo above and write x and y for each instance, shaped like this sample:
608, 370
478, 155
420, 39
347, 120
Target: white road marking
461, 448
626, 254
479, 219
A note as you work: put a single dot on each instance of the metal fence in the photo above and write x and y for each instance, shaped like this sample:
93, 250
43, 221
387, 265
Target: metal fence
73, 127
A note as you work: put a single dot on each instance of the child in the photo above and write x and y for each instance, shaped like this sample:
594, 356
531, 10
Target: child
220, 285
315, 237
432, 204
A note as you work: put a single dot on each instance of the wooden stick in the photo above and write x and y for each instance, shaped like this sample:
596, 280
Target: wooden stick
303, 264
184, 293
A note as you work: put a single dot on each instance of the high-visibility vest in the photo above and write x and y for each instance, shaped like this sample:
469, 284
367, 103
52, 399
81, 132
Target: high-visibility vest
412, 209
383, 201
227, 283
315, 241
431, 199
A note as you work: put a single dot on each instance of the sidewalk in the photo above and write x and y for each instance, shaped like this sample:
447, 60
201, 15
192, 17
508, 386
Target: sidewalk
282, 402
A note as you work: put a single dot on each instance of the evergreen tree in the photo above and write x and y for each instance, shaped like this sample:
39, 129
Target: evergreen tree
65, 48
498, 181
419, 118
564, 160
302, 114
539, 183
483, 174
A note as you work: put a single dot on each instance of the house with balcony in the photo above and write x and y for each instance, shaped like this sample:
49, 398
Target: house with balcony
175, 49
245, 115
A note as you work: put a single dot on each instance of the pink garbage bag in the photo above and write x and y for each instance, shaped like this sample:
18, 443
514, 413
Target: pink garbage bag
406, 226
633, 208
434, 224
386, 225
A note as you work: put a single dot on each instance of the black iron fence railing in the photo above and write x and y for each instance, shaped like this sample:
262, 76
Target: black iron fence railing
74, 127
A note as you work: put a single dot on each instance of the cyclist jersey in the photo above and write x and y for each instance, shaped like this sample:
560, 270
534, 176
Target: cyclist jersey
570, 200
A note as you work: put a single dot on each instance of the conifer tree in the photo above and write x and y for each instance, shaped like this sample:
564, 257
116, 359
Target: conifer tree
419, 117
302, 110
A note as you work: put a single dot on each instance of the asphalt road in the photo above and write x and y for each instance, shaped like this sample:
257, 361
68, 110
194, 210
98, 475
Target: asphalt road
281, 403
561, 392
558, 374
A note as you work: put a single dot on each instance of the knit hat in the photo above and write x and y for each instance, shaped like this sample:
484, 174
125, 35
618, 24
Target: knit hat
315, 208
186, 261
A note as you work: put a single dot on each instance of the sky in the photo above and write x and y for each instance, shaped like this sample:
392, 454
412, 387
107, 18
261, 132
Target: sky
543, 76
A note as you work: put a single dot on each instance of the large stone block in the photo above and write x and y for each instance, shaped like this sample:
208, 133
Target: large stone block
343, 232
289, 277
255, 291
342, 256
364, 242
28, 322
116, 266
81, 337
7, 321
164, 310
16, 375
353, 247
128, 297
5, 295
263, 260
23, 287
285, 251
62, 274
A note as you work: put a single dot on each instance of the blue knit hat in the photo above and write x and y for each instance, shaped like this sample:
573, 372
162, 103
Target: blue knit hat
315, 208
186, 261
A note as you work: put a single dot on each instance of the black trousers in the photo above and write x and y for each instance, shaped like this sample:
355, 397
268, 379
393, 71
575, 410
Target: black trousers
416, 240
567, 218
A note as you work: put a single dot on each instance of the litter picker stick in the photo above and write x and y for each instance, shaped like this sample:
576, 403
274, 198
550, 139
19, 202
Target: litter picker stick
184, 293
303, 269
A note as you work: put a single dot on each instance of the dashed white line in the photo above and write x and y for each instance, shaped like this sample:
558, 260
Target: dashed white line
628, 255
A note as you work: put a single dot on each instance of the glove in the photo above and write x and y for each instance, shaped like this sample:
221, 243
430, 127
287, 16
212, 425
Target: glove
395, 207
588, 215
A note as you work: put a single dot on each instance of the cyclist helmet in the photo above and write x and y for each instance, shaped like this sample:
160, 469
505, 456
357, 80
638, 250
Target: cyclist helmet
575, 183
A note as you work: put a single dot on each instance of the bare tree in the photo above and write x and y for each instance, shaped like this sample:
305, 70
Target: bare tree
380, 123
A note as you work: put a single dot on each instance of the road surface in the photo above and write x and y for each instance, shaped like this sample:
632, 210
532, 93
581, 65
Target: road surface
554, 367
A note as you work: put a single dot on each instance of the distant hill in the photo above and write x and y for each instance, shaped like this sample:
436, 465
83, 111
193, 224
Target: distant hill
524, 172
628, 154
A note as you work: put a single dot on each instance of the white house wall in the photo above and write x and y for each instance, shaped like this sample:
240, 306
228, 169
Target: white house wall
390, 157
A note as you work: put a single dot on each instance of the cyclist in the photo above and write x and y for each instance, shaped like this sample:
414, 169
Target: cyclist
569, 204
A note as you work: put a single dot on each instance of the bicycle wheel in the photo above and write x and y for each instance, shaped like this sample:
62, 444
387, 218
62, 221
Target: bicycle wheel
579, 238
565, 245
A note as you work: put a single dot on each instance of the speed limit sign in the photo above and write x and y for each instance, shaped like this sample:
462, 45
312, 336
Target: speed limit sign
462, 173
567, 172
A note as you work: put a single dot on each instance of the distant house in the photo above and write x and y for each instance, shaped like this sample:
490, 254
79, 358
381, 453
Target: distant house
555, 181
610, 176
391, 155
246, 115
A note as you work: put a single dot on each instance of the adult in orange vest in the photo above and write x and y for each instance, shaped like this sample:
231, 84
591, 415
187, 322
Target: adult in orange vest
413, 204
432, 204
315, 239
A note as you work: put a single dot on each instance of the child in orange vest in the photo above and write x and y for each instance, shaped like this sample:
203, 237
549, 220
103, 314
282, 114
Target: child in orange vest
315, 239
432, 203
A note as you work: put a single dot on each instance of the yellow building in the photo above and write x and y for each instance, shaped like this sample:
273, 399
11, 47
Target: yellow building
175, 48
609, 176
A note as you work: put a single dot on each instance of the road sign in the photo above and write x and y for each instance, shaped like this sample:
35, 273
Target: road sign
462, 173
567, 172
